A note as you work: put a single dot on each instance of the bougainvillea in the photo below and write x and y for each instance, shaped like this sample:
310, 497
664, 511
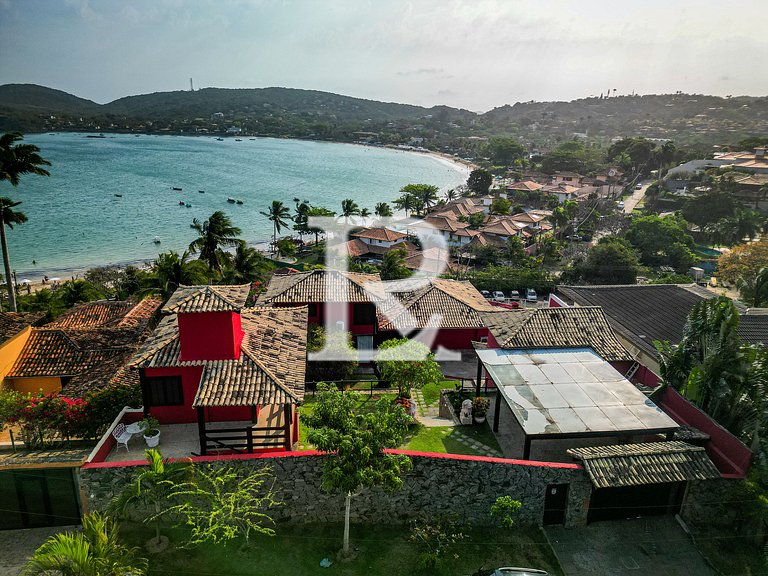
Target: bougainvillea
46, 418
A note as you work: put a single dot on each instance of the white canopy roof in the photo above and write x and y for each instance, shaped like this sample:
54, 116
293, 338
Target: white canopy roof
570, 391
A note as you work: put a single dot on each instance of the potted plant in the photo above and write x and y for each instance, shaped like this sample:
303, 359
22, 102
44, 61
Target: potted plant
151, 428
480, 408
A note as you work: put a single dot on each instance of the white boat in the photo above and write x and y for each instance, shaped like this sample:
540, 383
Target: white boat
156, 240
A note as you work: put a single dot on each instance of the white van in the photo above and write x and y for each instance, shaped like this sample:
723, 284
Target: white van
530, 296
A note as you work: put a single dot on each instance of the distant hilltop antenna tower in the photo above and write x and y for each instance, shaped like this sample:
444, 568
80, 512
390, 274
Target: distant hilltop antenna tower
191, 86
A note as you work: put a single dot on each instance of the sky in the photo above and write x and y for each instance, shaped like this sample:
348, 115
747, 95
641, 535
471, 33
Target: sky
476, 54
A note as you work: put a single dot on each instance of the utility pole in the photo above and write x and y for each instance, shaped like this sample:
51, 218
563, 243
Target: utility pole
191, 86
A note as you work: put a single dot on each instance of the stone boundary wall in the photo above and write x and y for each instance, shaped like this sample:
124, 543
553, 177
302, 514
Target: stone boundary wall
462, 485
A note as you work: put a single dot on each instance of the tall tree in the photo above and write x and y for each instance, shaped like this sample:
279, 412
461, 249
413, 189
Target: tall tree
393, 265
382, 210
279, 214
319, 212
16, 160
349, 208
9, 217
479, 181
450, 195
169, 271
423, 196
245, 265
214, 233
76, 291
355, 444
405, 202
94, 551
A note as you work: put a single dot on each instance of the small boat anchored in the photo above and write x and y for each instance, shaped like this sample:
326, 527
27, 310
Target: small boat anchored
182, 203
231, 200
119, 195
175, 188
156, 240
201, 191
239, 201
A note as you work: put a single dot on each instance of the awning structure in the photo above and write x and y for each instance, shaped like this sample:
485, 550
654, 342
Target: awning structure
558, 393
649, 463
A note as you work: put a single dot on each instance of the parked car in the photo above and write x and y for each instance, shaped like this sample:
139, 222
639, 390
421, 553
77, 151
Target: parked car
514, 295
574, 238
639, 187
621, 204
498, 296
486, 294
530, 296
510, 571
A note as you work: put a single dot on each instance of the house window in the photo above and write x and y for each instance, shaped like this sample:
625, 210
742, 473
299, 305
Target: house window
164, 391
312, 310
363, 314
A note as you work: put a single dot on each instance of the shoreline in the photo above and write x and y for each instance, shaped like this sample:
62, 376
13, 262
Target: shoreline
65, 273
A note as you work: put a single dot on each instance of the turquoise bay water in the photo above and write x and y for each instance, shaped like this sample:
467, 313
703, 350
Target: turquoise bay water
76, 221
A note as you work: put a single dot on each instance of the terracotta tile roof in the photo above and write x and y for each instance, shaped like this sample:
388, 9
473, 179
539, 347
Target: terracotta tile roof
555, 328
650, 463
11, 323
383, 234
503, 226
270, 369
205, 298
93, 359
317, 286
357, 248
107, 313
458, 303
446, 224
490, 239
524, 186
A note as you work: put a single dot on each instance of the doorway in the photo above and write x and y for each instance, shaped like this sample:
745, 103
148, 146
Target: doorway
555, 504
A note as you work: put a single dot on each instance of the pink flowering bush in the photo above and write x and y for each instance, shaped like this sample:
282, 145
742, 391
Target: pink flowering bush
45, 418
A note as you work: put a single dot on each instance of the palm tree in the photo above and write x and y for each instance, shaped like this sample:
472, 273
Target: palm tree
75, 291
150, 488
393, 265
16, 160
279, 214
365, 213
559, 218
245, 265
9, 217
96, 551
405, 202
215, 232
427, 196
319, 211
349, 208
382, 210
450, 195
170, 271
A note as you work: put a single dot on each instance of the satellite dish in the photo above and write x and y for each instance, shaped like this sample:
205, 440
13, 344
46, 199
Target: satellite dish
611, 172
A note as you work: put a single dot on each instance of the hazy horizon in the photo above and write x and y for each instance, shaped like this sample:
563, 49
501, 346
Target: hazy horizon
477, 55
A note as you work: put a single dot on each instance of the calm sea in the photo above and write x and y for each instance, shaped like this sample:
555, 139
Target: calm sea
76, 219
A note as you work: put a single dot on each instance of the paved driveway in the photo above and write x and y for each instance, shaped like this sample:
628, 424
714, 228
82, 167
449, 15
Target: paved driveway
646, 546
16, 546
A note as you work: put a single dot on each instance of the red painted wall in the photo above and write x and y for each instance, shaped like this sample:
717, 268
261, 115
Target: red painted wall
319, 318
210, 336
190, 380
458, 338
728, 453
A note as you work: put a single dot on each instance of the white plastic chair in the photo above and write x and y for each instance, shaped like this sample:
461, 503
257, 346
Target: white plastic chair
121, 435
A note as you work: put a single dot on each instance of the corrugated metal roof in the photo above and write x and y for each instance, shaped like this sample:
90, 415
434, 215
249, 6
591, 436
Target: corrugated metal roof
649, 463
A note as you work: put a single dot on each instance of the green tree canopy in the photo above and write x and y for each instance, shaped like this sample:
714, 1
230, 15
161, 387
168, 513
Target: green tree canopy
479, 181
709, 208
662, 241
504, 151
393, 265
610, 261
397, 364
570, 156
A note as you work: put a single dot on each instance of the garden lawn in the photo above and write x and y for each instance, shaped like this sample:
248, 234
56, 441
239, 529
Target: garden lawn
431, 392
381, 550
442, 439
